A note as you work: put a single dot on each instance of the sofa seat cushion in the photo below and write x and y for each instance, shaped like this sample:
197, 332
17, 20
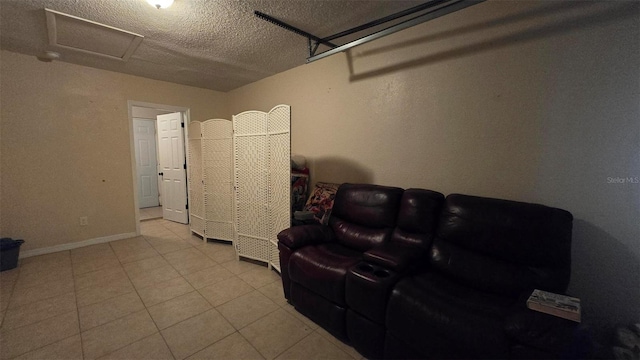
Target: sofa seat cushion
323, 269
429, 308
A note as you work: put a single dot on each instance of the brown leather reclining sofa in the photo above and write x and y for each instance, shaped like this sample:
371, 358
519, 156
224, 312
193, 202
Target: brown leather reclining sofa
411, 274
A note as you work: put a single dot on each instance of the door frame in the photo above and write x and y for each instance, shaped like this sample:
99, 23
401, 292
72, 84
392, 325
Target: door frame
186, 113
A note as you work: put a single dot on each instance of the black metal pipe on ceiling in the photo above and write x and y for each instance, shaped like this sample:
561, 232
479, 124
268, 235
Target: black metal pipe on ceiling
386, 19
448, 6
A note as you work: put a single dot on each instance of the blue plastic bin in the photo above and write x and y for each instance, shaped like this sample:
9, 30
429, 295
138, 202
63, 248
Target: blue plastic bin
9, 253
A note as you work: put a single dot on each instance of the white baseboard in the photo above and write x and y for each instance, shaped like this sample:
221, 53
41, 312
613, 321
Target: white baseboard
75, 245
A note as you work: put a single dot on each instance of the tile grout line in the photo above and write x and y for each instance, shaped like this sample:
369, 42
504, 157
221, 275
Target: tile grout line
195, 290
75, 295
131, 343
296, 343
218, 311
147, 308
227, 320
73, 291
77, 316
279, 305
262, 317
13, 290
45, 318
159, 331
55, 342
135, 290
13, 286
201, 294
185, 319
103, 300
249, 342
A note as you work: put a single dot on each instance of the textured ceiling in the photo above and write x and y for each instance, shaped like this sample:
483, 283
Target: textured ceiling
214, 44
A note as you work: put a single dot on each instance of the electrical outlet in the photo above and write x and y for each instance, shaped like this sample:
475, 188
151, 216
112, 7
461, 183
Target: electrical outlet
84, 221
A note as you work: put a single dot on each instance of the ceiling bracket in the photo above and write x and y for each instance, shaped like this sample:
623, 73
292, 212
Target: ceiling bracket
317, 41
430, 10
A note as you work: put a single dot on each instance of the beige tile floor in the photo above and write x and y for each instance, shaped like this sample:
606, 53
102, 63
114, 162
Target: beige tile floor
163, 295
151, 213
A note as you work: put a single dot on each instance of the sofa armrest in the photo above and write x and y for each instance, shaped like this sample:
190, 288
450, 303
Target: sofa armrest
394, 256
542, 331
304, 235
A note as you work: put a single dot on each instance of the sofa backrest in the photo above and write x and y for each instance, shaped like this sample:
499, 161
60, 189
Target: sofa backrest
502, 246
364, 215
417, 217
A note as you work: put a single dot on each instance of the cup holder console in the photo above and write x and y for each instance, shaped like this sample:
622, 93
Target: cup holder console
370, 271
367, 289
381, 273
365, 267
376, 271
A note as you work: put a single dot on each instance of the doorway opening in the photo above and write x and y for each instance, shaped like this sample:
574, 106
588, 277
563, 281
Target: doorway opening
152, 197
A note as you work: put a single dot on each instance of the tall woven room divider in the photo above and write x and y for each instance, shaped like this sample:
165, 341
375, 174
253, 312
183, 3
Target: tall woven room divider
217, 156
211, 179
279, 198
195, 180
262, 154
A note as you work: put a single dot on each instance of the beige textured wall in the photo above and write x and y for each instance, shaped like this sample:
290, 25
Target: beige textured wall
531, 101
66, 147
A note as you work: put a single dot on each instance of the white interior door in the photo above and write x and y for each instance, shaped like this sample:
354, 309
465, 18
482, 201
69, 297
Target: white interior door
172, 167
144, 137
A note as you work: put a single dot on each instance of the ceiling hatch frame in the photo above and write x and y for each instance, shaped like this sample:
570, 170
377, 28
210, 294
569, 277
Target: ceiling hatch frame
129, 41
434, 9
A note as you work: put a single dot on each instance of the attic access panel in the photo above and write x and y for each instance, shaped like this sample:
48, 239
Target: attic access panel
427, 11
78, 34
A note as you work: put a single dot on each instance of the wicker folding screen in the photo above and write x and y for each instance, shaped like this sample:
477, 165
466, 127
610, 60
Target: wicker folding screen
279, 206
195, 179
262, 148
211, 179
217, 156
250, 154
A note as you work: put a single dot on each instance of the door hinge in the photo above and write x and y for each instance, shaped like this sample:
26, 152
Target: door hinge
184, 166
182, 124
187, 205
